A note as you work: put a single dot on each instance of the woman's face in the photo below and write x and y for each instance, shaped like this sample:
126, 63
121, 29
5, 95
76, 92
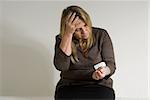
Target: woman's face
82, 31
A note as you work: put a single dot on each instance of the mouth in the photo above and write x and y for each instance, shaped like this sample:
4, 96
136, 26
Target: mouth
85, 35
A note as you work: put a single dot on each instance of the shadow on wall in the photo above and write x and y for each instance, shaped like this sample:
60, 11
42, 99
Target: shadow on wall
27, 65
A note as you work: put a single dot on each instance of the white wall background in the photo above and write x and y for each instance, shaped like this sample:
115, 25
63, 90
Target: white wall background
0, 47
148, 48
29, 30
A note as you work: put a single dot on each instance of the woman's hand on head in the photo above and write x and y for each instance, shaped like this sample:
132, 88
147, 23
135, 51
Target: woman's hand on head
71, 22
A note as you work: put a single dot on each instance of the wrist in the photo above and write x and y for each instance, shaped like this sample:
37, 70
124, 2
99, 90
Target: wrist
68, 34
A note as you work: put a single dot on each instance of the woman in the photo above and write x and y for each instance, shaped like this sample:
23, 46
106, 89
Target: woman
79, 51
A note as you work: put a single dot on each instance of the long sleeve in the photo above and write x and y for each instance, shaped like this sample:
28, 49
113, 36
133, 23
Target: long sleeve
81, 72
62, 63
78, 74
108, 53
61, 60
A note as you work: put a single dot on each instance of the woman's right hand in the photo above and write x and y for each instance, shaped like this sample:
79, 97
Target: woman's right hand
71, 22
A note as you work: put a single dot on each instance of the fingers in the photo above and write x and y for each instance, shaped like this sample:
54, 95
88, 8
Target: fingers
72, 17
72, 23
68, 17
101, 69
95, 76
99, 75
75, 21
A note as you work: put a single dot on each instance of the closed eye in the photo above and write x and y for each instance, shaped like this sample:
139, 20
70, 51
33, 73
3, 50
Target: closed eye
78, 29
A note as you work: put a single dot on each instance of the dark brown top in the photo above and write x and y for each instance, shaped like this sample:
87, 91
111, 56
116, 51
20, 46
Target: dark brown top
81, 72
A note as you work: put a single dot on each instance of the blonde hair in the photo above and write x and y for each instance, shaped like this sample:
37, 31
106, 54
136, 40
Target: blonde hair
83, 15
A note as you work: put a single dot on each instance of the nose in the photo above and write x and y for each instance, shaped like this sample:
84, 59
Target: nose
83, 30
